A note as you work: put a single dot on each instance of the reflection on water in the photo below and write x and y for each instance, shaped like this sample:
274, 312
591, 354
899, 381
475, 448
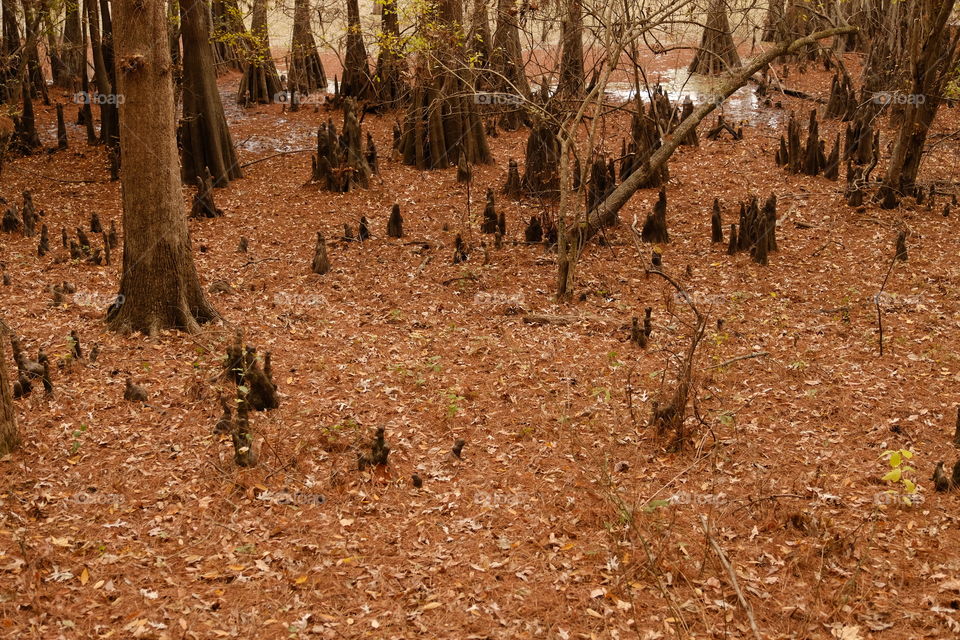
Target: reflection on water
678, 84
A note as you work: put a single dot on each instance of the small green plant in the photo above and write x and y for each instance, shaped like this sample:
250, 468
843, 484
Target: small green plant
77, 434
898, 476
453, 403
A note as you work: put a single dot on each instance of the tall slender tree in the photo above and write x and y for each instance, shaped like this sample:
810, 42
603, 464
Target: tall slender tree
207, 144
159, 287
72, 51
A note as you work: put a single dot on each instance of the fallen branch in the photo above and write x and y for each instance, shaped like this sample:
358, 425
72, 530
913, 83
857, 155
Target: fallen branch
605, 213
733, 576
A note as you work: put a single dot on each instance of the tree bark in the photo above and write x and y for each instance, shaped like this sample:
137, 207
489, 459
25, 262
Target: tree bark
571, 82
73, 54
9, 437
9, 53
606, 212
206, 140
159, 287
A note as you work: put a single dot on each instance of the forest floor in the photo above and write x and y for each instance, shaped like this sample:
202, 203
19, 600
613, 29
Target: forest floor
566, 515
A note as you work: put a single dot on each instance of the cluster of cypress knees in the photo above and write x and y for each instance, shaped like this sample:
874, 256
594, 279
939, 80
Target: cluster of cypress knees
256, 390
24, 219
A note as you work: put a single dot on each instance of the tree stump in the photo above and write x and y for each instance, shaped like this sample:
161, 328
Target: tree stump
61, 129
464, 173
321, 263
244, 454
203, 205
395, 223
44, 245
716, 223
902, 246
254, 384
655, 226
541, 177
534, 231
489, 224
459, 250
513, 186
842, 103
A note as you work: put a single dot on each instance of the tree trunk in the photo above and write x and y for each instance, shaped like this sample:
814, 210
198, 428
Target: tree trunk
571, 83
103, 73
9, 437
32, 18
774, 16
306, 70
356, 70
933, 53
73, 53
9, 53
229, 36
717, 52
444, 121
159, 287
389, 81
507, 64
261, 82
479, 40
206, 140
